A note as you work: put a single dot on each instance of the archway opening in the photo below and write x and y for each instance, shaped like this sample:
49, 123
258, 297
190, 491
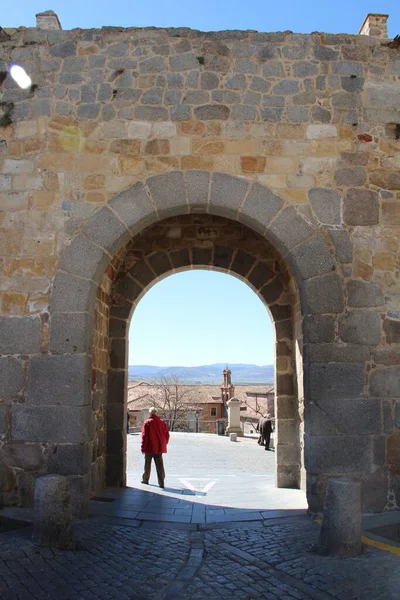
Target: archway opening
178, 244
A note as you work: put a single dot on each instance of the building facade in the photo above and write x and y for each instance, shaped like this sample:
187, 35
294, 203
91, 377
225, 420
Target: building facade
138, 153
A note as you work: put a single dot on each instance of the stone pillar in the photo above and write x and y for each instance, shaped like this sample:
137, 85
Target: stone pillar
53, 517
234, 417
47, 20
342, 521
375, 25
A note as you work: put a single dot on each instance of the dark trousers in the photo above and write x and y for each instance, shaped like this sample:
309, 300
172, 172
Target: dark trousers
267, 438
158, 459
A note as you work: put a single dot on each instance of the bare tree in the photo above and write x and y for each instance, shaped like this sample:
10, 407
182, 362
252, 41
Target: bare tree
174, 401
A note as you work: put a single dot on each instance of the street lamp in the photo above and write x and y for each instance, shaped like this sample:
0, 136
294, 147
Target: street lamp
197, 415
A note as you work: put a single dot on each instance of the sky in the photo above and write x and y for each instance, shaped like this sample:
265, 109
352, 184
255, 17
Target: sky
200, 318
341, 16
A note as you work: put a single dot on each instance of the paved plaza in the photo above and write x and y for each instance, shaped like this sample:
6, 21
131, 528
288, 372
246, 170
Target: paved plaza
218, 530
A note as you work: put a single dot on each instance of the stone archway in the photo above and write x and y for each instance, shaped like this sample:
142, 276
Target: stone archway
90, 263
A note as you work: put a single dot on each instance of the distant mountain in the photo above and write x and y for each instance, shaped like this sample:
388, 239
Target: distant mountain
204, 374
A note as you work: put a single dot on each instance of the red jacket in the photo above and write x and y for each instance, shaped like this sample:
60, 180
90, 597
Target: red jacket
155, 436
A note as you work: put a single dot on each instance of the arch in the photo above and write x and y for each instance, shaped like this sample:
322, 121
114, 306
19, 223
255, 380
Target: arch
97, 251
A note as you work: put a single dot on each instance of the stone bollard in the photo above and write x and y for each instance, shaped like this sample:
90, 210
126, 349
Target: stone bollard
342, 520
233, 437
53, 519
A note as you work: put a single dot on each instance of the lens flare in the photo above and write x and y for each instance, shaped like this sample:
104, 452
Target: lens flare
20, 77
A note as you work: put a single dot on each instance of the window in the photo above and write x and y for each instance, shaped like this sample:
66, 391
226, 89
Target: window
213, 411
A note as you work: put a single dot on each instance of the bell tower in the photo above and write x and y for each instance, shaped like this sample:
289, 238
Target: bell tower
227, 389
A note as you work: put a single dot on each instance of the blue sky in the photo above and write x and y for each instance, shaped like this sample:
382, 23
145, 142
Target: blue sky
341, 16
198, 318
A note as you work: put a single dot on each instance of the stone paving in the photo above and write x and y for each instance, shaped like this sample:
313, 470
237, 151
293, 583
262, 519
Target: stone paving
179, 544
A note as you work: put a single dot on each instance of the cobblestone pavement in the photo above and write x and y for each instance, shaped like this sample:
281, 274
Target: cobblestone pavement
129, 560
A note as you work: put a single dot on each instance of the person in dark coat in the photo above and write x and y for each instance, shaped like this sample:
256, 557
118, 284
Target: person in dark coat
267, 430
155, 437
259, 428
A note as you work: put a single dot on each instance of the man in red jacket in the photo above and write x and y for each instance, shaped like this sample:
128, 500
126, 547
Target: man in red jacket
155, 437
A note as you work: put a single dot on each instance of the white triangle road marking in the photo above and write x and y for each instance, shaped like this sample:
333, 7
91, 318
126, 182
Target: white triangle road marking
192, 488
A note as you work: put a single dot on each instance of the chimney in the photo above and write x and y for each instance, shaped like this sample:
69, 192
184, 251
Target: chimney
47, 20
375, 25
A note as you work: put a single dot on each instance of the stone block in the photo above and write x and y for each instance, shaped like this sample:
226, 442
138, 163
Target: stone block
271, 114
180, 258
260, 206
385, 382
288, 230
3, 413
84, 258
8, 479
260, 275
151, 113
209, 80
272, 291
202, 256
242, 263
383, 95
168, 193
319, 328
337, 353
180, 112
338, 454
364, 294
211, 112
116, 384
197, 186
53, 514
64, 49
160, 262
312, 257
342, 520
323, 53
326, 204
361, 207
23, 456
361, 327
343, 245
118, 354
273, 68
20, 335
128, 288
320, 132
71, 333
156, 64
106, 230
134, 207
344, 417
227, 194
350, 176
115, 417
12, 378
70, 294
58, 424
70, 459
59, 380
391, 328
286, 87
142, 273
222, 257
323, 294
335, 380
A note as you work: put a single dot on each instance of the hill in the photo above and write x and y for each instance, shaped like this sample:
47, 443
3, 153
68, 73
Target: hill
212, 374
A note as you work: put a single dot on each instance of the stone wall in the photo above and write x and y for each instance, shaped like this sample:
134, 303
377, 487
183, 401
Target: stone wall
295, 136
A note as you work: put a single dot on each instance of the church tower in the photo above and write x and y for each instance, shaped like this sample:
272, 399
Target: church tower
227, 389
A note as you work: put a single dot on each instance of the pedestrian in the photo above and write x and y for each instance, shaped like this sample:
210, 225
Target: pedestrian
267, 430
259, 428
155, 437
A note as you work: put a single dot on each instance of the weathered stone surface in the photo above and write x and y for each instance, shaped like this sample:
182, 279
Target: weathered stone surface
312, 258
342, 520
12, 377
361, 207
197, 186
332, 418
106, 230
19, 335
134, 207
227, 193
334, 380
391, 328
385, 382
319, 328
326, 353
8, 479
339, 453
168, 192
59, 424
260, 206
323, 294
71, 333
343, 246
53, 515
59, 380
72, 294
84, 258
70, 459
361, 327
3, 409
212, 112
350, 176
364, 294
326, 204
289, 229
